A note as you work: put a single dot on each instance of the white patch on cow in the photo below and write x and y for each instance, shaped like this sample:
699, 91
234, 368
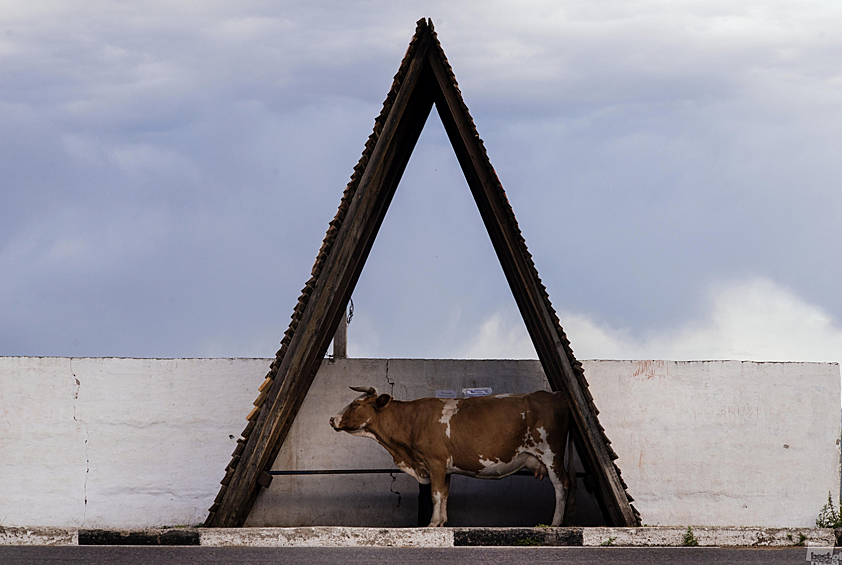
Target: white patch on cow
498, 469
545, 454
523, 415
487, 462
448, 409
452, 469
527, 439
560, 492
362, 431
411, 472
439, 515
542, 446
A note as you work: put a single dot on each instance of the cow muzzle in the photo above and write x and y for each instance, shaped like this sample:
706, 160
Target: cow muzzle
333, 424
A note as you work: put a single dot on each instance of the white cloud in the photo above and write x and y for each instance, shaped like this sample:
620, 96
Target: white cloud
748, 320
757, 320
499, 337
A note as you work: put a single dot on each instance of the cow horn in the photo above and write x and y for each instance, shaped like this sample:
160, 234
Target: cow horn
365, 389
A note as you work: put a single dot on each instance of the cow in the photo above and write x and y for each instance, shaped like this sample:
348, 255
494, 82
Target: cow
487, 437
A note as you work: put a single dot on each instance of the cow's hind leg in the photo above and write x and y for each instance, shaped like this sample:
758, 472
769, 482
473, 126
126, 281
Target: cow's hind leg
440, 487
560, 484
558, 476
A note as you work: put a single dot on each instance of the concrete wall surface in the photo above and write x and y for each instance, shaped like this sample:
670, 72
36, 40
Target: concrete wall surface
128, 443
118, 442
726, 443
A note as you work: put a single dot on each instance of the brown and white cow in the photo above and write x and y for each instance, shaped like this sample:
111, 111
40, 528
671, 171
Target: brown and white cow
488, 437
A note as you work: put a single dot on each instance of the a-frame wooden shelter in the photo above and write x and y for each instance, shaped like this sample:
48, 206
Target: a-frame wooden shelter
423, 79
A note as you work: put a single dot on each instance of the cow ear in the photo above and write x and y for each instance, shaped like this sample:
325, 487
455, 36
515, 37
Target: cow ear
382, 401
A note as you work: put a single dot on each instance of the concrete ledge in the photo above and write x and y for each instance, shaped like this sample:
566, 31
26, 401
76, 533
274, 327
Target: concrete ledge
176, 536
517, 536
708, 537
38, 536
337, 536
327, 536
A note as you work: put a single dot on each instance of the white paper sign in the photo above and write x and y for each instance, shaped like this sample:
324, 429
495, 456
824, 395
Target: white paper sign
473, 392
445, 394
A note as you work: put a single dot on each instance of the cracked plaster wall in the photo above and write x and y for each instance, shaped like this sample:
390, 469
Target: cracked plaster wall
105, 442
723, 443
127, 443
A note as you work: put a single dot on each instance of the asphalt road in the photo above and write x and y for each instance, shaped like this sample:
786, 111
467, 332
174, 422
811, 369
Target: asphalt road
14, 555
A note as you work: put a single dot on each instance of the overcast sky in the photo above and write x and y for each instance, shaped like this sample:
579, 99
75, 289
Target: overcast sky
168, 171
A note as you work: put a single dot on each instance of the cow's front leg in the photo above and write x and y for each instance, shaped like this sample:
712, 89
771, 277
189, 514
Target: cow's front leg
440, 487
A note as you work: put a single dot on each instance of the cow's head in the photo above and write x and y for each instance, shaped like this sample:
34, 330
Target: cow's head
355, 417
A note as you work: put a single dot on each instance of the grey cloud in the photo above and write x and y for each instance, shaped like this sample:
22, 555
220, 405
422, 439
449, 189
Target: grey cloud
168, 176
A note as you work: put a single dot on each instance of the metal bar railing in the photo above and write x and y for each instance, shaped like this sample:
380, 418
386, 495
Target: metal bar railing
522, 472
337, 472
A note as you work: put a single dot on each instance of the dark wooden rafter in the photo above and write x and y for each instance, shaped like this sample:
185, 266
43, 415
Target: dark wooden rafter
423, 79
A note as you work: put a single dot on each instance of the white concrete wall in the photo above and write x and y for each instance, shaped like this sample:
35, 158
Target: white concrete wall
723, 442
143, 442
118, 442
